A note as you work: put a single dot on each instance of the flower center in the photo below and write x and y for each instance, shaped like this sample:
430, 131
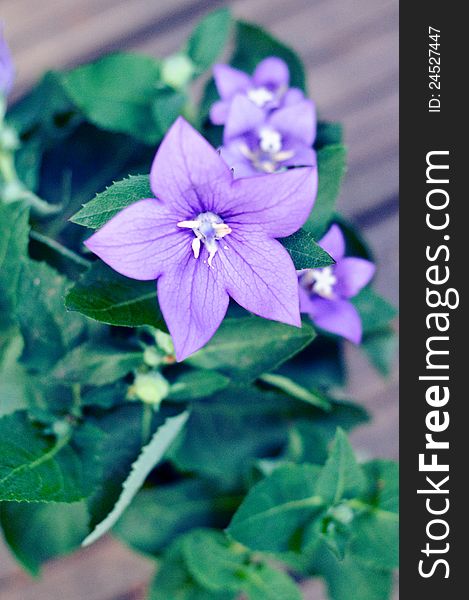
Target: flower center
321, 281
270, 141
208, 229
260, 96
268, 155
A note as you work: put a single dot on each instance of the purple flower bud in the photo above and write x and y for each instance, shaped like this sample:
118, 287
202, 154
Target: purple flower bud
325, 293
267, 89
7, 72
207, 237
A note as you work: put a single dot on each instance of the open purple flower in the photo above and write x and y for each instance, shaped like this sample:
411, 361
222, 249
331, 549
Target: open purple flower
256, 142
208, 237
268, 88
325, 293
7, 71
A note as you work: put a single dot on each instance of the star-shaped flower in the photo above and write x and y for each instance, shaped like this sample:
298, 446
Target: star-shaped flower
256, 142
207, 237
325, 293
268, 88
7, 71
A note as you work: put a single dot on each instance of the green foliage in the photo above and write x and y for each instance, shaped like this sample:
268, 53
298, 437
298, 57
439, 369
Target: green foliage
240, 464
117, 93
209, 38
34, 468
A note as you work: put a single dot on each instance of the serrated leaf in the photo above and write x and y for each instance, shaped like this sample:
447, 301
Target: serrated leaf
117, 196
331, 170
30, 536
375, 311
341, 476
253, 44
305, 252
117, 93
36, 469
93, 364
245, 348
149, 457
276, 508
197, 383
47, 329
209, 38
290, 387
108, 297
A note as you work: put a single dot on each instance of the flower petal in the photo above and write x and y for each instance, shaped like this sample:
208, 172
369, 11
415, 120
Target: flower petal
140, 241
187, 172
235, 159
297, 120
219, 112
304, 156
292, 96
271, 72
230, 81
279, 203
333, 243
337, 316
260, 276
193, 301
243, 116
352, 275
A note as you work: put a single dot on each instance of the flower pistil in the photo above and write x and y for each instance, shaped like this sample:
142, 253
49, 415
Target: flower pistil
208, 228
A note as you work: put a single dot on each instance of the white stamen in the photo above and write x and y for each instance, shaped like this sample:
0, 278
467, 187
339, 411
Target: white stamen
208, 228
260, 96
270, 141
322, 281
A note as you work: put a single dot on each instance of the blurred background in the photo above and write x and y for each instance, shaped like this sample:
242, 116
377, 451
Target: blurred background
350, 48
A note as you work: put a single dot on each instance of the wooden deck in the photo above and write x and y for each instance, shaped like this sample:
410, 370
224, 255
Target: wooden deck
351, 51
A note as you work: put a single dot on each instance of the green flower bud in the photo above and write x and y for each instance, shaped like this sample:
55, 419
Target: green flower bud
177, 70
152, 357
342, 514
164, 341
151, 388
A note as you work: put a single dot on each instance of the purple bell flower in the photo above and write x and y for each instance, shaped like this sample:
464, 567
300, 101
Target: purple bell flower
207, 237
256, 142
7, 71
268, 88
325, 293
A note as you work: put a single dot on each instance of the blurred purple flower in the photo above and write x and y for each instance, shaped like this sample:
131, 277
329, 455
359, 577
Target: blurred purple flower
325, 293
258, 143
7, 71
208, 237
267, 88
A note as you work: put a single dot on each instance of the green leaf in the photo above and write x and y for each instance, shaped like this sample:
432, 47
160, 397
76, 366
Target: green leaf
253, 44
328, 133
93, 364
341, 476
47, 329
117, 93
214, 562
107, 204
276, 508
331, 171
291, 388
149, 457
376, 539
174, 581
37, 532
245, 348
209, 38
14, 231
36, 469
266, 583
108, 297
197, 383
375, 311
381, 349
305, 252
157, 515
167, 107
